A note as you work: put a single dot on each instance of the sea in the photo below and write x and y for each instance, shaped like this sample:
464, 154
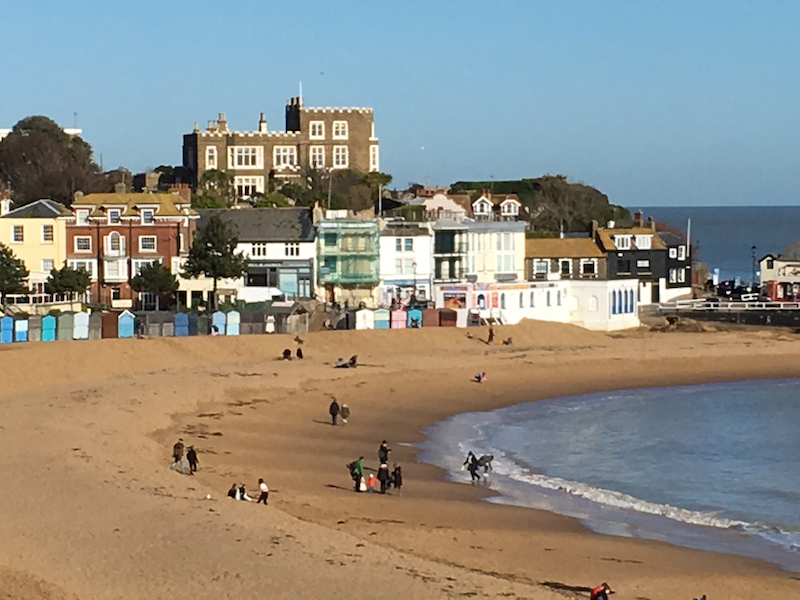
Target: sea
714, 467
727, 234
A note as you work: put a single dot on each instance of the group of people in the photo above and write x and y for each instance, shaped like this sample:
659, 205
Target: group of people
383, 477
337, 411
181, 455
473, 464
239, 492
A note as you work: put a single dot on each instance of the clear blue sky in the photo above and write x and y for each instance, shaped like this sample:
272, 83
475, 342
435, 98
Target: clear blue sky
669, 102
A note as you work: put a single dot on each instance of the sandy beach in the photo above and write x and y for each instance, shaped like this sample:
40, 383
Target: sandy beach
90, 508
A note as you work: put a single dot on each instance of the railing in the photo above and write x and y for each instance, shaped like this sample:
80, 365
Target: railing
727, 306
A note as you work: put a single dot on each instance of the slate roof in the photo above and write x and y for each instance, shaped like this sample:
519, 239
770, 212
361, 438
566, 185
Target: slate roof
792, 251
41, 209
671, 239
562, 248
265, 224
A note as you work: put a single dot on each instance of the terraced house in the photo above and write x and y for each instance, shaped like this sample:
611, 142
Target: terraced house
323, 139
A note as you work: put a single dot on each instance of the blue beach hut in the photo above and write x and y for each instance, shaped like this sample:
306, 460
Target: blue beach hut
80, 322
6, 330
381, 319
233, 323
126, 324
21, 330
218, 321
414, 317
181, 321
48, 328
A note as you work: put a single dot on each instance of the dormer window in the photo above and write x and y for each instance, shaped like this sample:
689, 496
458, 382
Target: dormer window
148, 216
643, 242
510, 208
622, 242
482, 207
81, 216
113, 216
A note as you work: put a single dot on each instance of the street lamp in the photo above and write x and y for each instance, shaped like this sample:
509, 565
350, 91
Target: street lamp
753, 255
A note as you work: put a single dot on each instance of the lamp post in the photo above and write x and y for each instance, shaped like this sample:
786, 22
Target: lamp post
753, 280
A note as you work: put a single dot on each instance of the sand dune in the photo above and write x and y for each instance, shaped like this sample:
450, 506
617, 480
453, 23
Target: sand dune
91, 510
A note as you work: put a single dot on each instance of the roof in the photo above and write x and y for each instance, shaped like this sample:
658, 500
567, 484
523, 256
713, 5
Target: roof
41, 209
167, 205
562, 248
499, 226
447, 223
671, 239
498, 199
265, 224
605, 237
792, 251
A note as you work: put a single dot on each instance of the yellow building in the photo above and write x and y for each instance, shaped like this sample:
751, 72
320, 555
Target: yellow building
36, 234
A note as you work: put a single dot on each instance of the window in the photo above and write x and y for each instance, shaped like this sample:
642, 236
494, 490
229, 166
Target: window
148, 216
770, 263
681, 276
259, 249
19, 234
83, 243
181, 243
247, 187
47, 233
541, 266
374, 158
316, 157
549, 303
48, 264
408, 244
116, 293
291, 249
533, 299
115, 243
521, 300
330, 264
147, 243
139, 263
673, 253
681, 252
642, 264
246, 157
283, 156
588, 267
623, 266
82, 265
316, 130
558, 297
340, 157
643, 242
673, 275
340, 130
211, 157
113, 216
329, 240
112, 268
81, 217
566, 267
622, 242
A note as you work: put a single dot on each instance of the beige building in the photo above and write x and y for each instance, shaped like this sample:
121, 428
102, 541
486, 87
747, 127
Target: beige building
321, 139
36, 233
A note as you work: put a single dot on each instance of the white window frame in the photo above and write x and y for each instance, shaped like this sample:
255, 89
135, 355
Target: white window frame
316, 157
681, 252
81, 216
114, 216
642, 263
83, 264
52, 265
681, 275
52, 229
340, 130
622, 242
211, 157
291, 249
561, 262
243, 183
482, 207
673, 275
148, 237
644, 242
541, 262
120, 250
258, 249
509, 208
18, 234
673, 253
115, 273
338, 152
374, 158
138, 263
316, 130
148, 211
245, 157
82, 237
588, 261
284, 156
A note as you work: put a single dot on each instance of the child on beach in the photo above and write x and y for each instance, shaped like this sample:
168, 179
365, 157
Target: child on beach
371, 483
345, 413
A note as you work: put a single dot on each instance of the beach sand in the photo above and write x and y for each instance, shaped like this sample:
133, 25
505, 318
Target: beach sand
90, 508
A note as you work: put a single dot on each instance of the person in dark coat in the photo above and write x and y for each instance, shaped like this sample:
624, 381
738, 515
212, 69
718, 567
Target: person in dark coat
397, 478
383, 452
191, 456
232, 491
472, 466
384, 477
334, 411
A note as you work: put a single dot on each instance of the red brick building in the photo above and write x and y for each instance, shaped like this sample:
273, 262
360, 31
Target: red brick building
112, 236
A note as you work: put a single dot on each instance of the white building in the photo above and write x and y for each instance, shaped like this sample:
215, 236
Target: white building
406, 262
495, 251
496, 207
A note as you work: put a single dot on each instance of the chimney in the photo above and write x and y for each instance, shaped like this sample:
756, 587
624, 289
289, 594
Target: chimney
651, 222
593, 230
5, 204
196, 128
120, 188
262, 124
183, 190
638, 219
76, 197
222, 123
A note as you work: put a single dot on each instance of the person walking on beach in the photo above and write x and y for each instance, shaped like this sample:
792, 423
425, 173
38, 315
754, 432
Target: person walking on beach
383, 452
177, 456
357, 472
472, 466
490, 339
264, 492
191, 456
384, 477
334, 411
345, 413
397, 478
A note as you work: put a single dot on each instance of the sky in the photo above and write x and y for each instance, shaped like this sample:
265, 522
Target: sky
676, 103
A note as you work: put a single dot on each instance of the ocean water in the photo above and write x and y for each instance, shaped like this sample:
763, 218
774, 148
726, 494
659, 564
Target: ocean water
726, 234
714, 467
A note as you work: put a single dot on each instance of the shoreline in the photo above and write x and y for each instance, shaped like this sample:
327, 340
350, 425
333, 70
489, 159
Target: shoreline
120, 522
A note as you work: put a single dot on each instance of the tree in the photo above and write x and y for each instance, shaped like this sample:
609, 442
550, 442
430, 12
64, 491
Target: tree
271, 200
213, 254
156, 279
12, 274
67, 280
214, 190
39, 160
